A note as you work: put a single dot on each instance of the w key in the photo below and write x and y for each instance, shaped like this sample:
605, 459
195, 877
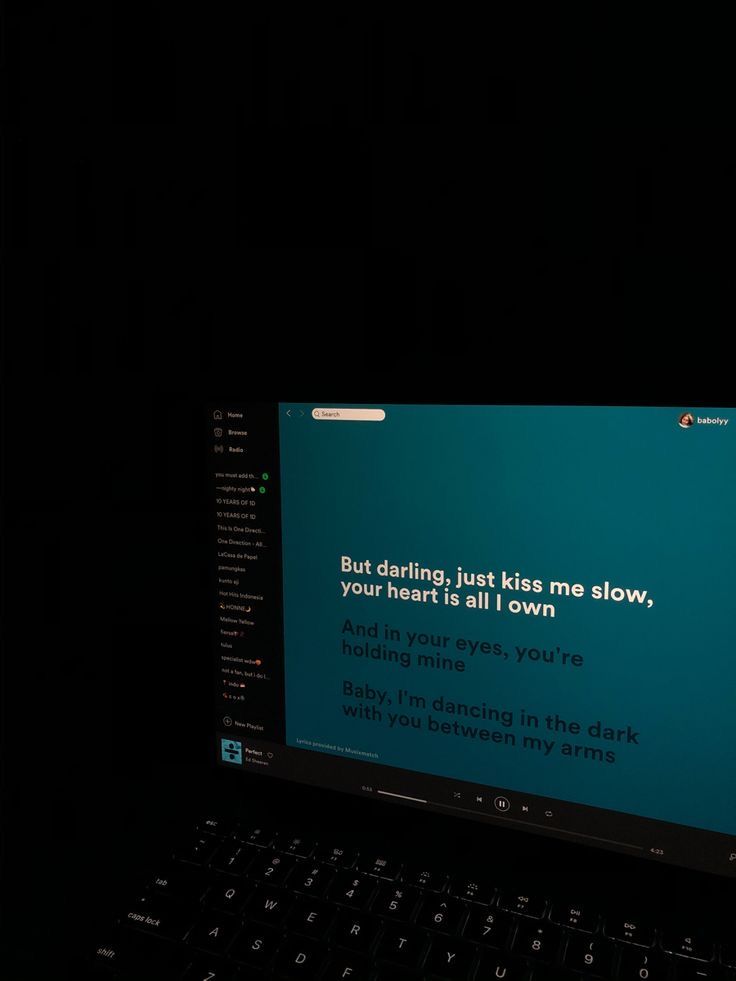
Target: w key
268, 905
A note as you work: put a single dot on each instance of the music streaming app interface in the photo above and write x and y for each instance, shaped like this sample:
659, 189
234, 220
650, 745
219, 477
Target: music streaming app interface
537, 598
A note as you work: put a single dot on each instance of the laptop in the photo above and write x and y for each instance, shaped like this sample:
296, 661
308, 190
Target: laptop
473, 700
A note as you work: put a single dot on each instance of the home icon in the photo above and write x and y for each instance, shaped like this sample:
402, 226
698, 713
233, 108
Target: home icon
217, 414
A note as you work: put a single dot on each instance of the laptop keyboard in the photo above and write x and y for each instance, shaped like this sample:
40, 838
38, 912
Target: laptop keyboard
240, 903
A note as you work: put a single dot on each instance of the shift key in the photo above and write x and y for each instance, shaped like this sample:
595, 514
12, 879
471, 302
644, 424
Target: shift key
160, 918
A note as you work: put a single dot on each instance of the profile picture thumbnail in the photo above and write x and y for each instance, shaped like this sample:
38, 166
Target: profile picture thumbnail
686, 420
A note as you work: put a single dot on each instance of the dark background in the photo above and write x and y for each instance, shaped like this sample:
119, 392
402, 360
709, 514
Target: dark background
421, 210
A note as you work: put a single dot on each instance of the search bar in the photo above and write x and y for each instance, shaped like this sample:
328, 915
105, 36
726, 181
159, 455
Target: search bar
349, 415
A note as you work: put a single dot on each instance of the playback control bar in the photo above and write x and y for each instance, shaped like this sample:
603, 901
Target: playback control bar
625, 833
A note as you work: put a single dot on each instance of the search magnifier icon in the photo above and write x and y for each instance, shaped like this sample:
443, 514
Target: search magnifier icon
732, 857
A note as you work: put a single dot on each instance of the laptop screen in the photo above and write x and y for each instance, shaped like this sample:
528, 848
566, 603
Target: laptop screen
519, 614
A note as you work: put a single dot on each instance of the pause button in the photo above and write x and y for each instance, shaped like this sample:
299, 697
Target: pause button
502, 804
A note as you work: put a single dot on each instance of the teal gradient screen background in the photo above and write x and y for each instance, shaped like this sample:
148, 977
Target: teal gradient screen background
579, 494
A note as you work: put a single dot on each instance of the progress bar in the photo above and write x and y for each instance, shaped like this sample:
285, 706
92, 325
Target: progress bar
386, 793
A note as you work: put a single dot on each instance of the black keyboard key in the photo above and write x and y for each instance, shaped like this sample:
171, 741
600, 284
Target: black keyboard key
255, 946
311, 918
688, 943
441, 913
295, 845
381, 866
94, 972
352, 889
229, 896
213, 932
268, 905
260, 837
728, 954
337, 856
181, 882
524, 904
214, 969
402, 945
695, 971
472, 890
425, 878
160, 918
488, 927
629, 930
299, 958
311, 878
574, 916
396, 901
123, 954
501, 967
594, 957
110, 953
233, 857
214, 826
344, 966
355, 931
141, 956
545, 972
198, 850
271, 867
537, 941
642, 965
450, 959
